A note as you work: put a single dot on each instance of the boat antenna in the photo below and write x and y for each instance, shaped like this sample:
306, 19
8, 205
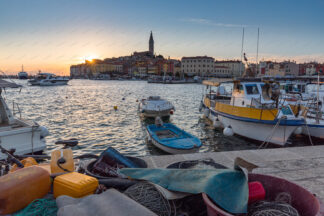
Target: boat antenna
257, 54
241, 69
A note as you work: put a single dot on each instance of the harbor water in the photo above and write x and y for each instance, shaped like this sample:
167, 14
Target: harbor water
84, 109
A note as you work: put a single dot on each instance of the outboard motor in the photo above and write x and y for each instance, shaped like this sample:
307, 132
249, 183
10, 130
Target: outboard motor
158, 122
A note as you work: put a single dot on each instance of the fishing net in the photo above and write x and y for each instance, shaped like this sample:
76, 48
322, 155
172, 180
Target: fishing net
265, 208
39, 207
147, 195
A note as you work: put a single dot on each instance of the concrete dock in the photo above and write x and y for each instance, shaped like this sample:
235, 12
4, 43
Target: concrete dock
301, 165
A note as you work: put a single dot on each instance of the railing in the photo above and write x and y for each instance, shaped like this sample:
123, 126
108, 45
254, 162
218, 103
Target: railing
14, 104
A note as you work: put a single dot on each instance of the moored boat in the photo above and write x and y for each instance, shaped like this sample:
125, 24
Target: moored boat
22, 74
16, 133
172, 139
48, 79
155, 106
254, 112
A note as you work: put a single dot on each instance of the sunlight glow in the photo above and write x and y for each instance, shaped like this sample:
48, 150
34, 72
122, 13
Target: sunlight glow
90, 57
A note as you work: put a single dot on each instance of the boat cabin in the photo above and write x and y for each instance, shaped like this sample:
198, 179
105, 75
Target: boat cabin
217, 91
255, 94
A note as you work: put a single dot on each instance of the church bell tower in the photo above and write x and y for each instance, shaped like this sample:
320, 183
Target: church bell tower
151, 44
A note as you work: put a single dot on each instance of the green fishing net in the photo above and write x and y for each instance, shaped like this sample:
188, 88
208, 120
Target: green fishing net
39, 207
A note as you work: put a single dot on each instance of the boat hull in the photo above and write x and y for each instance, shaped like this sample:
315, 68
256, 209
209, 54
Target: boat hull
168, 149
25, 140
48, 82
259, 131
254, 130
153, 114
314, 130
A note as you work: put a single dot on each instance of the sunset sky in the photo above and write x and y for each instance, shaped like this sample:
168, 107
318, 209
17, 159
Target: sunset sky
51, 35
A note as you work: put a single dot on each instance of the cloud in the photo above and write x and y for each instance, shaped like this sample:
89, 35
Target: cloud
201, 21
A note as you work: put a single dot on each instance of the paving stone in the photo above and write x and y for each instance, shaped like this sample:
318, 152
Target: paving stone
220, 158
277, 154
308, 151
246, 155
165, 160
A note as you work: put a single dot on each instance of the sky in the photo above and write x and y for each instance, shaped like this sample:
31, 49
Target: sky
51, 35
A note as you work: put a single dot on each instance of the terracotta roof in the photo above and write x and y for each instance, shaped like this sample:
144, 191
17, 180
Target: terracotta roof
198, 57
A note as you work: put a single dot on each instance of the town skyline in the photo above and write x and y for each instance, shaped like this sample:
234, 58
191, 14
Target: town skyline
49, 36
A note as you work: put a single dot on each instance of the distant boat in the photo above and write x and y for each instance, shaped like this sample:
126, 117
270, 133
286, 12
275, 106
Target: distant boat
22, 74
48, 79
155, 106
172, 139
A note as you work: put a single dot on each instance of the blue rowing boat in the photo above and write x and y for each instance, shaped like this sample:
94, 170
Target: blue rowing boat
172, 139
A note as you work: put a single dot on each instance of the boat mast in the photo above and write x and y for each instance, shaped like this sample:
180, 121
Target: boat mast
317, 105
241, 69
257, 55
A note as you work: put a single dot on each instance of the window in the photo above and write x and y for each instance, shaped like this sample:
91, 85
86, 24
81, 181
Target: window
251, 89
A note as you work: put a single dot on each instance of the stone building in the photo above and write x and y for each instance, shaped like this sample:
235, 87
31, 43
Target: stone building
202, 66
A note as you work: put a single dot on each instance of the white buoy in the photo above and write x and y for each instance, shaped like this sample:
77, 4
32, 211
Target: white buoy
43, 131
206, 112
217, 123
298, 130
228, 131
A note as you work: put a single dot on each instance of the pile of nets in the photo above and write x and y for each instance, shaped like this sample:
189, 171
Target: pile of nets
280, 207
265, 208
39, 207
147, 195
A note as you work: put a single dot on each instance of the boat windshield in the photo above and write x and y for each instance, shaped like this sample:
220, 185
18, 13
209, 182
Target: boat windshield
251, 89
42, 76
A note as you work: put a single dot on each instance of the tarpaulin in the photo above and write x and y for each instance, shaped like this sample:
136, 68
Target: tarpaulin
227, 188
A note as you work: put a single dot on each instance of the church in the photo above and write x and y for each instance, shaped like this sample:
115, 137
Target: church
150, 52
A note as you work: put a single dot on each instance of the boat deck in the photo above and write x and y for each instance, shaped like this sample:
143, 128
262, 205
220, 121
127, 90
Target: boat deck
166, 133
301, 165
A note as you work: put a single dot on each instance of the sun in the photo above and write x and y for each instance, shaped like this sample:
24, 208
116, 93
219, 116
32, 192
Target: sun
90, 57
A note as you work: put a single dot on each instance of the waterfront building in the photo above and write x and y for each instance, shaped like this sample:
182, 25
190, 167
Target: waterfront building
285, 68
233, 68
202, 66
177, 70
221, 71
142, 71
312, 68
118, 67
152, 69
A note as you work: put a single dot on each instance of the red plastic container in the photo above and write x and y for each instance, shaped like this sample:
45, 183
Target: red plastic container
256, 192
305, 202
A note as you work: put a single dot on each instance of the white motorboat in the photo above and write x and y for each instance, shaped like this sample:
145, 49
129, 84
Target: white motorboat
253, 112
48, 79
155, 106
15, 133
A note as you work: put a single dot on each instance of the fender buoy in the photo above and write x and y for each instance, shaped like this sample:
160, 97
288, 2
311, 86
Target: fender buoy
228, 131
217, 123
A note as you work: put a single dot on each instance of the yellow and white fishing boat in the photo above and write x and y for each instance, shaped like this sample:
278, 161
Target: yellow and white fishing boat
252, 111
